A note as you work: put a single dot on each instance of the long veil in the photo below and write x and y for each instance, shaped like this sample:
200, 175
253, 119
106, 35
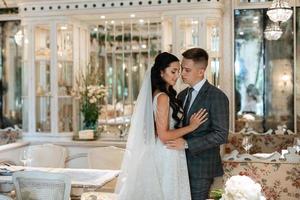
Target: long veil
139, 179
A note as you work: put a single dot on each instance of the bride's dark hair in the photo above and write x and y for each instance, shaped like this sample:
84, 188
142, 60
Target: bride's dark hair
163, 61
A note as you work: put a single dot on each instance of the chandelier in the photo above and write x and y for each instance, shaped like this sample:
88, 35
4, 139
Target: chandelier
280, 11
273, 31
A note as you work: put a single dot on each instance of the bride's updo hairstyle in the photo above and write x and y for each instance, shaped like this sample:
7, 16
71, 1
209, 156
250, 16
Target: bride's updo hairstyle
163, 61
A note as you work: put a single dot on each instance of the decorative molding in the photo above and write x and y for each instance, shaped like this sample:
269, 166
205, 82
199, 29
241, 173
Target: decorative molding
245, 5
279, 131
249, 5
290, 157
68, 7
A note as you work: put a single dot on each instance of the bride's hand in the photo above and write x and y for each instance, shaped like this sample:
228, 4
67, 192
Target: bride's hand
198, 118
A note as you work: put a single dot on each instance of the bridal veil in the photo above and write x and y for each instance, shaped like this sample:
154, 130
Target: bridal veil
139, 179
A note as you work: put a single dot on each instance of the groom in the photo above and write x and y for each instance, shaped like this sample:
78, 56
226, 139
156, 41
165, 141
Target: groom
202, 145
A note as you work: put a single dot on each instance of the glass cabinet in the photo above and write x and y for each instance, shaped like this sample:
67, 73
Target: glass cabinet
49, 61
190, 31
123, 50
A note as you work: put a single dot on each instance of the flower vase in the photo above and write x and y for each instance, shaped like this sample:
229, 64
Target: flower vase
89, 130
91, 124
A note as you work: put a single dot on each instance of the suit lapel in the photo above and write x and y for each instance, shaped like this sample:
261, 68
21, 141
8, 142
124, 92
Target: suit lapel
202, 91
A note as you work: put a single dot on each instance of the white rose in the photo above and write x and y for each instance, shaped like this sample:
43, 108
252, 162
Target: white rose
235, 189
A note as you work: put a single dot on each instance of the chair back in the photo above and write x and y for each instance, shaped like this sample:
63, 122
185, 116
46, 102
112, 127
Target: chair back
41, 185
106, 158
47, 155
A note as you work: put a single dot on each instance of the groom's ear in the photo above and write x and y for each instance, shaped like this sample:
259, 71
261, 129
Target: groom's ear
203, 70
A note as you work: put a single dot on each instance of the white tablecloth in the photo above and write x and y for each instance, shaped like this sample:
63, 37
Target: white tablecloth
79, 177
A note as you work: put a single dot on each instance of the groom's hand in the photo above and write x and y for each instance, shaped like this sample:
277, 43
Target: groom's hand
178, 144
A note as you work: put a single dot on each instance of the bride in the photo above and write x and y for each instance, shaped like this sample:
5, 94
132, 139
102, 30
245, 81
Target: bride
149, 170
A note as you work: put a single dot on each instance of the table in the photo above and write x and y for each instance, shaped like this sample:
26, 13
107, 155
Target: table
90, 179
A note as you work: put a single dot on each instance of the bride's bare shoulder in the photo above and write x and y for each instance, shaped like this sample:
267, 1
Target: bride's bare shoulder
158, 93
162, 98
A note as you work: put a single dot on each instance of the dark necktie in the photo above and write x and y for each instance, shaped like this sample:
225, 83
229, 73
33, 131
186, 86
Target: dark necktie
187, 104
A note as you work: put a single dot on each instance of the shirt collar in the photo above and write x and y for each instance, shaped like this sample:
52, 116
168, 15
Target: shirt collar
199, 85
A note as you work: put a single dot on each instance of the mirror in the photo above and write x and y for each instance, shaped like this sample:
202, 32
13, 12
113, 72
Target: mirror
264, 71
10, 74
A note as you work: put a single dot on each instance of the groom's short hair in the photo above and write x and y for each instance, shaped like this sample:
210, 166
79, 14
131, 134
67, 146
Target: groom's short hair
198, 55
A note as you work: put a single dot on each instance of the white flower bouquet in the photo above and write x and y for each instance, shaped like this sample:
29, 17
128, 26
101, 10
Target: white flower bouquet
91, 95
242, 188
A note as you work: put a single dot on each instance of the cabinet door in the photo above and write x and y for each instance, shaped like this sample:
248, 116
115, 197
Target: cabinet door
64, 77
213, 48
203, 32
25, 82
42, 78
188, 33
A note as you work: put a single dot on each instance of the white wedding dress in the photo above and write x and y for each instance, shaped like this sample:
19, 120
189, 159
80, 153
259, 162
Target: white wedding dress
171, 166
149, 170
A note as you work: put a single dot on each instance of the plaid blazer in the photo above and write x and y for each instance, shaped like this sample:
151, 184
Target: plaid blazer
203, 153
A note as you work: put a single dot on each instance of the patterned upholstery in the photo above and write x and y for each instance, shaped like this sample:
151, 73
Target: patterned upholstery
9, 135
278, 180
261, 143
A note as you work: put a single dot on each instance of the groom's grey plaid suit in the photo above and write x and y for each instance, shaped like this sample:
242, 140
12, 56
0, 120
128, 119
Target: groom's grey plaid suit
203, 153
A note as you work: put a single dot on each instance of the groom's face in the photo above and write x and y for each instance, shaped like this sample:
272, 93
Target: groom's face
192, 72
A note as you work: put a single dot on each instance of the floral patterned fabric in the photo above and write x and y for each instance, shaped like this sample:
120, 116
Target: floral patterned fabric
261, 143
279, 181
8, 136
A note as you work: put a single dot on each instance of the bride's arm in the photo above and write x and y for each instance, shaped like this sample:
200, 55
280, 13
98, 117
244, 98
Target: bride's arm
162, 121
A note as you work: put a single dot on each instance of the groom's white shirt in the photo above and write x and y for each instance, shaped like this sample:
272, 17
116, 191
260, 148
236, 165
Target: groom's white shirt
196, 88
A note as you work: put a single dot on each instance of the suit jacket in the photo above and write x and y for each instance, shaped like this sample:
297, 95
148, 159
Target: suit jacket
203, 153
